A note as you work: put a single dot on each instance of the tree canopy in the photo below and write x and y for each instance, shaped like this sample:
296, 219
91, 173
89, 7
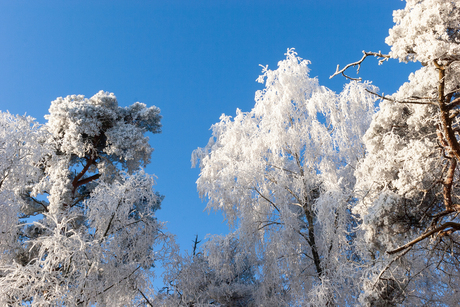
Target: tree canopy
79, 224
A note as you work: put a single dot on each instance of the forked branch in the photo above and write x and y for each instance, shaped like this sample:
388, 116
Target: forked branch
383, 58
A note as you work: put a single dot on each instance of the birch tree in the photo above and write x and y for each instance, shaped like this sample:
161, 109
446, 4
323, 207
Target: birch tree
220, 273
283, 175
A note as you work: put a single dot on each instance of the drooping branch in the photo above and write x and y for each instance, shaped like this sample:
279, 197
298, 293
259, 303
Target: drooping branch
268, 200
383, 58
284, 169
389, 264
267, 223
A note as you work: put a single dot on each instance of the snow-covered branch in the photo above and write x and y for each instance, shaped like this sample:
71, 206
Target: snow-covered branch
383, 58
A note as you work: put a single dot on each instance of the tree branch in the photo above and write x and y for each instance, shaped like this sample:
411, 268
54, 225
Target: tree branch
447, 191
110, 287
404, 101
261, 195
268, 223
455, 226
86, 180
383, 58
146, 299
446, 121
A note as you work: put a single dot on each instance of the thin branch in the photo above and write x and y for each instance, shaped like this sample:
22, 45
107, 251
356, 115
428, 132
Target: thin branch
441, 214
195, 245
146, 299
383, 58
111, 220
283, 169
454, 114
391, 262
404, 101
453, 91
453, 103
305, 237
45, 208
268, 223
4, 178
261, 195
294, 195
110, 287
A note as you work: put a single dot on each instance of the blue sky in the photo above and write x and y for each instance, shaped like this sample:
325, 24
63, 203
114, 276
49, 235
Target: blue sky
193, 59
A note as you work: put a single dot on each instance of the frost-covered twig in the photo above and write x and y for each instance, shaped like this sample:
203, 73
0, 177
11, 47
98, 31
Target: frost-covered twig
383, 58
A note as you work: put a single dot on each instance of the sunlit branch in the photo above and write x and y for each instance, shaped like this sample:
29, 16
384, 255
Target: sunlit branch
447, 192
383, 58
453, 225
446, 121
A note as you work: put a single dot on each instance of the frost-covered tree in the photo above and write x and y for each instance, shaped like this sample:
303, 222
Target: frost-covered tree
408, 183
78, 223
283, 174
221, 273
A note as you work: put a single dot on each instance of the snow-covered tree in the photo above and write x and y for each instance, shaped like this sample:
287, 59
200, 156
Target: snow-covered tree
283, 174
408, 182
221, 273
78, 222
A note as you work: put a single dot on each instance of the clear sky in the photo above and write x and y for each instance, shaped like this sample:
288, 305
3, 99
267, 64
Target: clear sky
193, 59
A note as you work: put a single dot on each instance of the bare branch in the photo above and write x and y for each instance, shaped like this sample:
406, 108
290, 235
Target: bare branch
146, 299
261, 195
391, 262
267, 223
404, 101
383, 58
195, 245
